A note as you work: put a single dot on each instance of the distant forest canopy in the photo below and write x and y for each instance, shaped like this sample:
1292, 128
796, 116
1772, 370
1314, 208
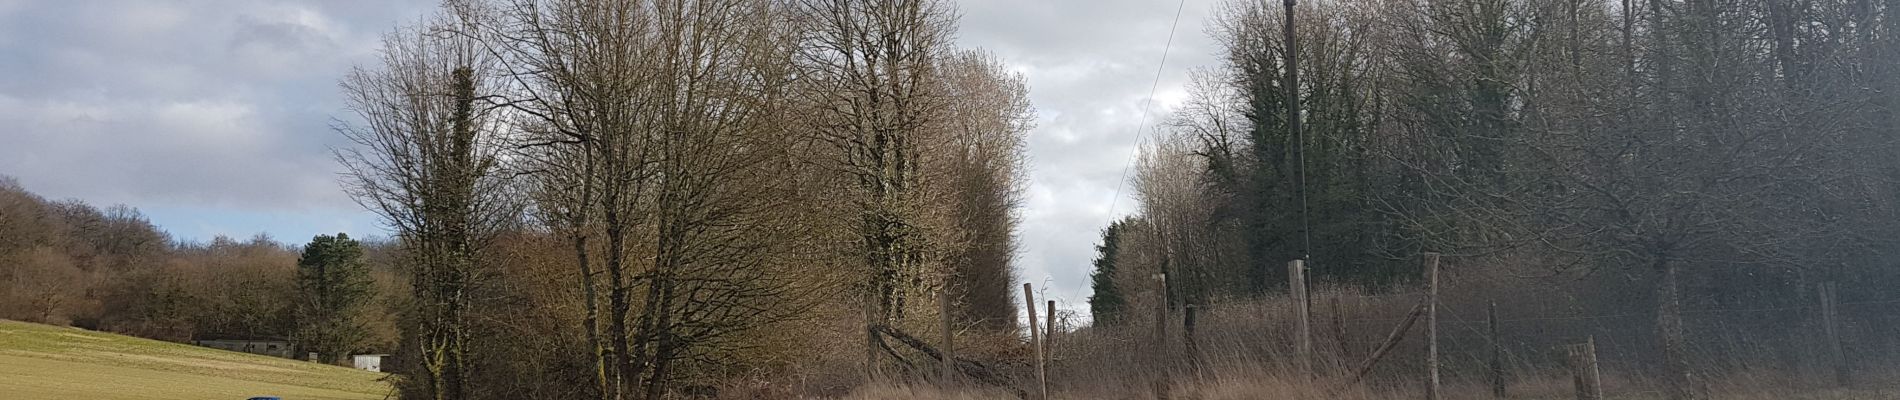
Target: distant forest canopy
1712, 152
68, 262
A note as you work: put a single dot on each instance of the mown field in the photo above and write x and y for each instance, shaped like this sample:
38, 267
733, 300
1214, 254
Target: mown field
48, 362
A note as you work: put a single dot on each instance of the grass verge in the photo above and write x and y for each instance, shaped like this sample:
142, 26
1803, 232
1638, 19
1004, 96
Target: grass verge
48, 362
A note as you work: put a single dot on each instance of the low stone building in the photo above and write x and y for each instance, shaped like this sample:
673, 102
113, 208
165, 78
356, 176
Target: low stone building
265, 345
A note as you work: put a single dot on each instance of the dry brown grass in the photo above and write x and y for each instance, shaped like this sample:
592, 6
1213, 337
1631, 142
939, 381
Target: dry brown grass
1245, 355
925, 392
1245, 386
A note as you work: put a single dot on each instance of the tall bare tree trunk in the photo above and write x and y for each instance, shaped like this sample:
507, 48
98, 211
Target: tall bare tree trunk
617, 290
1681, 381
591, 319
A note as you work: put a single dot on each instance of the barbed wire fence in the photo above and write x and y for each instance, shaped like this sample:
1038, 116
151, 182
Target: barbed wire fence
1349, 330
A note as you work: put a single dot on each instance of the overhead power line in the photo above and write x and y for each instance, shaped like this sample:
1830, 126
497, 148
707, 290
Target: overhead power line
1143, 121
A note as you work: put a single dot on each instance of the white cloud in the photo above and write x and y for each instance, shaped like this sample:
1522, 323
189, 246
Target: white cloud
140, 18
175, 104
212, 123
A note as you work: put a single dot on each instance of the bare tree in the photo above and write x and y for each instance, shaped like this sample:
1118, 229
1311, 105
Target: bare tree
585, 73
426, 160
987, 117
657, 127
724, 232
871, 66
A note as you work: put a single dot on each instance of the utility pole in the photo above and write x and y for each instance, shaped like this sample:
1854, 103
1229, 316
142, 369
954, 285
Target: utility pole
1292, 86
1293, 125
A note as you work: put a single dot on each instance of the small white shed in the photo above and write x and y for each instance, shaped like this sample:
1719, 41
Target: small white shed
368, 362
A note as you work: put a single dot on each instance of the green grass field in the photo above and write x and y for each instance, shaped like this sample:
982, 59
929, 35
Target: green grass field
48, 362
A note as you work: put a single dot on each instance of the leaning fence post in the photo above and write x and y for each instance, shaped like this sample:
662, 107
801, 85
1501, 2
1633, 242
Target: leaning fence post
1035, 340
1431, 326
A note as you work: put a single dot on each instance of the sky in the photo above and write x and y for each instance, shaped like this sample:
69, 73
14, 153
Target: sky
214, 117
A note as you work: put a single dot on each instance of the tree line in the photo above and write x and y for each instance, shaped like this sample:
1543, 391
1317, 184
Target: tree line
70, 263
636, 198
1727, 153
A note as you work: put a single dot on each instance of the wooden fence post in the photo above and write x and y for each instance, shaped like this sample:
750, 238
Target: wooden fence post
1049, 338
1192, 347
1831, 330
949, 339
1497, 352
1302, 324
1431, 327
1583, 361
1595, 375
1161, 312
1339, 330
1035, 340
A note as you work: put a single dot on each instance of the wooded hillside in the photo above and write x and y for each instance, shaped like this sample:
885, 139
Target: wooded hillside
70, 263
1677, 161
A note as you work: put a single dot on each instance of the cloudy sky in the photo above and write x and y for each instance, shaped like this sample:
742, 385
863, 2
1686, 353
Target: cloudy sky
213, 117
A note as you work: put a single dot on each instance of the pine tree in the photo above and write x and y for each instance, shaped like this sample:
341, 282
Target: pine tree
1107, 303
333, 284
